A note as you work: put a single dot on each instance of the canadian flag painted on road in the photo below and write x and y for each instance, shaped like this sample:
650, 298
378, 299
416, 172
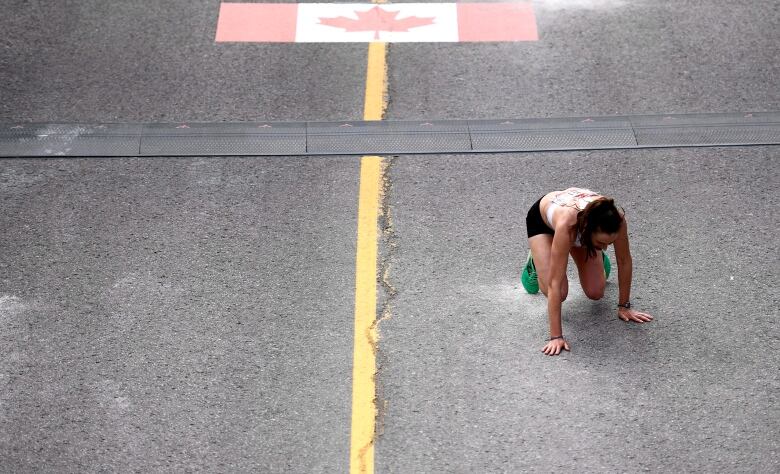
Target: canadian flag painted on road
356, 22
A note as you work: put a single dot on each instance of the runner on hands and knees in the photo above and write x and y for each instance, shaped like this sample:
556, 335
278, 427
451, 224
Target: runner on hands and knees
580, 223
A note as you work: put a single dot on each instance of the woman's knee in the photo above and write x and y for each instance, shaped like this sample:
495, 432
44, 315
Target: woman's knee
564, 293
594, 292
564, 290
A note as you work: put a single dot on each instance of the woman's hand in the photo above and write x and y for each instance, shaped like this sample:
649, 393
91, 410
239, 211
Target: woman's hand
630, 315
554, 347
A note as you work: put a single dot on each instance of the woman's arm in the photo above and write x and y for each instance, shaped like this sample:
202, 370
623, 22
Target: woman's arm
559, 258
625, 269
558, 261
624, 262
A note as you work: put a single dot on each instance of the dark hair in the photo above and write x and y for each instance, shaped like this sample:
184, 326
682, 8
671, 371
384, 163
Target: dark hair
600, 215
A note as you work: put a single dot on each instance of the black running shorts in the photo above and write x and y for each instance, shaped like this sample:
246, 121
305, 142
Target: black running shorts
534, 222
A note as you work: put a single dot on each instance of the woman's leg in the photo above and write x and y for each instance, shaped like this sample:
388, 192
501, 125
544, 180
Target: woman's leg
591, 271
541, 246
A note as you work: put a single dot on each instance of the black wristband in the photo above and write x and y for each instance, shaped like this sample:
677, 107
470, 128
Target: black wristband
556, 337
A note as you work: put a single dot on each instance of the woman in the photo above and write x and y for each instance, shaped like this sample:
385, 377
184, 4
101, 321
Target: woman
580, 223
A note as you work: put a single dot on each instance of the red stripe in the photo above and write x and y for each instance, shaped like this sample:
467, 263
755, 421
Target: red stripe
496, 22
261, 22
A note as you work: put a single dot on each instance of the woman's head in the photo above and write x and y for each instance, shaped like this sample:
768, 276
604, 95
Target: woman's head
598, 224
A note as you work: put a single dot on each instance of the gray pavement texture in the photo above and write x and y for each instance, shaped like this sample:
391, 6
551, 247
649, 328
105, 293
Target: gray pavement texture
166, 314
112, 61
195, 314
602, 57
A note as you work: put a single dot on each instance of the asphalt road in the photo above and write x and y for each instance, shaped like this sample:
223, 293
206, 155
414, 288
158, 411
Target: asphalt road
196, 314
177, 314
466, 384
600, 57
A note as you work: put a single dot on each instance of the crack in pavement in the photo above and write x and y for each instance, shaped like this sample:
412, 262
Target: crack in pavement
389, 246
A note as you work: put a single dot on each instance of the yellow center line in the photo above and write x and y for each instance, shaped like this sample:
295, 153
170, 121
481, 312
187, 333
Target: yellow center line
364, 409
376, 74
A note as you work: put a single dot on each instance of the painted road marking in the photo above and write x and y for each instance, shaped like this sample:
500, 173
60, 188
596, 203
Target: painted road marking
357, 22
364, 409
366, 337
376, 83
334, 23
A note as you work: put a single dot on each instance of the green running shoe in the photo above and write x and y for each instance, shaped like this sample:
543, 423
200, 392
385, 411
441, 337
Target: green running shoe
529, 278
607, 265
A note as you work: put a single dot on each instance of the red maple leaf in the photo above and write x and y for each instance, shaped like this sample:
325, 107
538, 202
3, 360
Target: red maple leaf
376, 20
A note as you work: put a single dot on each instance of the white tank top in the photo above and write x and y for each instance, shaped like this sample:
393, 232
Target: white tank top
577, 198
